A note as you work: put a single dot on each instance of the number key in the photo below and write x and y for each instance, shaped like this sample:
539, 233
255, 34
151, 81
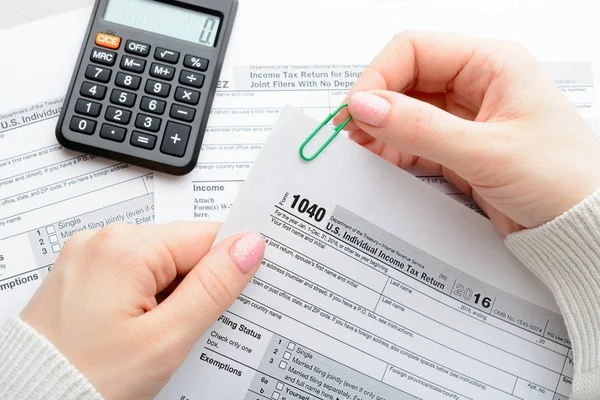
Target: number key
82, 125
128, 81
89, 108
147, 122
157, 88
97, 74
117, 115
122, 98
93, 91
152, 105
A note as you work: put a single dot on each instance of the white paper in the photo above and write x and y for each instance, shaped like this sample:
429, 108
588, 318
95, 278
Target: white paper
47, 193
313, 69
374, 285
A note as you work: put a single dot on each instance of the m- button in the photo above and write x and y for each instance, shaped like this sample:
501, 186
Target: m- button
109, 41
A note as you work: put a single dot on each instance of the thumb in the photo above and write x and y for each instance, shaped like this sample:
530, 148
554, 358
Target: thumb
419, 128
211, 287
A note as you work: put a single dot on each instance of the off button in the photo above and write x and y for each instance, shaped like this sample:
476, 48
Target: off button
141, 49
108, 41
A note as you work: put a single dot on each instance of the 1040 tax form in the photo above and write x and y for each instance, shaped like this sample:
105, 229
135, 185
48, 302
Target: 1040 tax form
374, 286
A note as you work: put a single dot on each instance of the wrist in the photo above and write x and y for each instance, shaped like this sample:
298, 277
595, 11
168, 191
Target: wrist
32, 368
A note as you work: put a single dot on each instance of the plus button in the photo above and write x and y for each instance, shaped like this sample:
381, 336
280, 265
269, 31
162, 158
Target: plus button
176, 138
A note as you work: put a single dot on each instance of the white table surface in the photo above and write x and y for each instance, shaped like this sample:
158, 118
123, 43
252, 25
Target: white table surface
17, 12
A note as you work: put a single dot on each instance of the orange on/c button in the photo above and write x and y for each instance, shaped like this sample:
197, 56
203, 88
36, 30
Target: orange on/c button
106, 40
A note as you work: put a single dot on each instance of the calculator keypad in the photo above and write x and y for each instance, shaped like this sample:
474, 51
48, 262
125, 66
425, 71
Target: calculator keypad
161, 116
128, 81
118, 115
93, 91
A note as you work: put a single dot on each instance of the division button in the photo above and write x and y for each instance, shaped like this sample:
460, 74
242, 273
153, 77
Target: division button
82, 125
109, 41
182, 113
143, 140
166, 55
197, 63
187, 96
113, 133
133, 64
103, 57
141, 49
192, 79
162, 71
98, 74
175, 139
88, 108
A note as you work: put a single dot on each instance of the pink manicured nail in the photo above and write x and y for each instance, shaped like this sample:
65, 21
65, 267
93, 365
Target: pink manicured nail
248, 251
369, 108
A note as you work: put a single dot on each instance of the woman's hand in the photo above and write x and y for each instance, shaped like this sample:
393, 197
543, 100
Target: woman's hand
127, 304
486, 116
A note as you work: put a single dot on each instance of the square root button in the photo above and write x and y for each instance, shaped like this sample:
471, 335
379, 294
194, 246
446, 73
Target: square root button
175, 139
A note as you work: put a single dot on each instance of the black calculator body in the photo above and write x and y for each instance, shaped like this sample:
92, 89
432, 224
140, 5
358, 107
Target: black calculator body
145, 81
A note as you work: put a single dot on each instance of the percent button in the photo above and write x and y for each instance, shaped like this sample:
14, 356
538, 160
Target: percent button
197, 63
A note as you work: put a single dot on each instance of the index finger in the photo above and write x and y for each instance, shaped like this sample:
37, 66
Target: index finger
421, 61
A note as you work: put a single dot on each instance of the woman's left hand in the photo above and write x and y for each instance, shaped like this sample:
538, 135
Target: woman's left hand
126, 304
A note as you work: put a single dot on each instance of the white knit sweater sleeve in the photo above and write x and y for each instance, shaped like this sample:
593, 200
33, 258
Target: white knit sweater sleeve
565, 255
32, 368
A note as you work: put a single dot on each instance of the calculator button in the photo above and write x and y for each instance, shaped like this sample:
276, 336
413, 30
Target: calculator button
157, 88
141, 49
166, 55
103, 57
182, 113
133, 64
153, 106
117, 115
162, 71
143, 140
147, 122
197, 63
128, 81
109, 41
98, 74
191, 79
175, 139
88, 108
113, 133
188, 96
93, 91
82, 125
122, 98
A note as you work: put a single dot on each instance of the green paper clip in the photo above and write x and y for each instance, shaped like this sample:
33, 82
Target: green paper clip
335, 133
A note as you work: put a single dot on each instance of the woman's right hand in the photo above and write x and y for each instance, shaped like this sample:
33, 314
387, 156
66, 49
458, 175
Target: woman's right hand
485, 115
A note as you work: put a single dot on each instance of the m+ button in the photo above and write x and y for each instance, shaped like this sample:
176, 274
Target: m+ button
175, 139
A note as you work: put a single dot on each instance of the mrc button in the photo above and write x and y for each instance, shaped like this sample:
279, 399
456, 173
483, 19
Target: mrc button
109, 41
133, 47
103, 57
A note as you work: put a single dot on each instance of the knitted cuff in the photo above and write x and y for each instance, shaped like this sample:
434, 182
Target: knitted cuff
32, 368
565, 255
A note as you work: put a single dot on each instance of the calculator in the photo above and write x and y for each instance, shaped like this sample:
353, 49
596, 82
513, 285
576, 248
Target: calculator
145, 81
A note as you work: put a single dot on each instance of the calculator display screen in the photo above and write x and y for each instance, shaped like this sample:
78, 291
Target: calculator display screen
165, 19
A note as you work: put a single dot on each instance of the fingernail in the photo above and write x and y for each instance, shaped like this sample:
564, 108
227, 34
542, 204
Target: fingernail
248, 251
369, 108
